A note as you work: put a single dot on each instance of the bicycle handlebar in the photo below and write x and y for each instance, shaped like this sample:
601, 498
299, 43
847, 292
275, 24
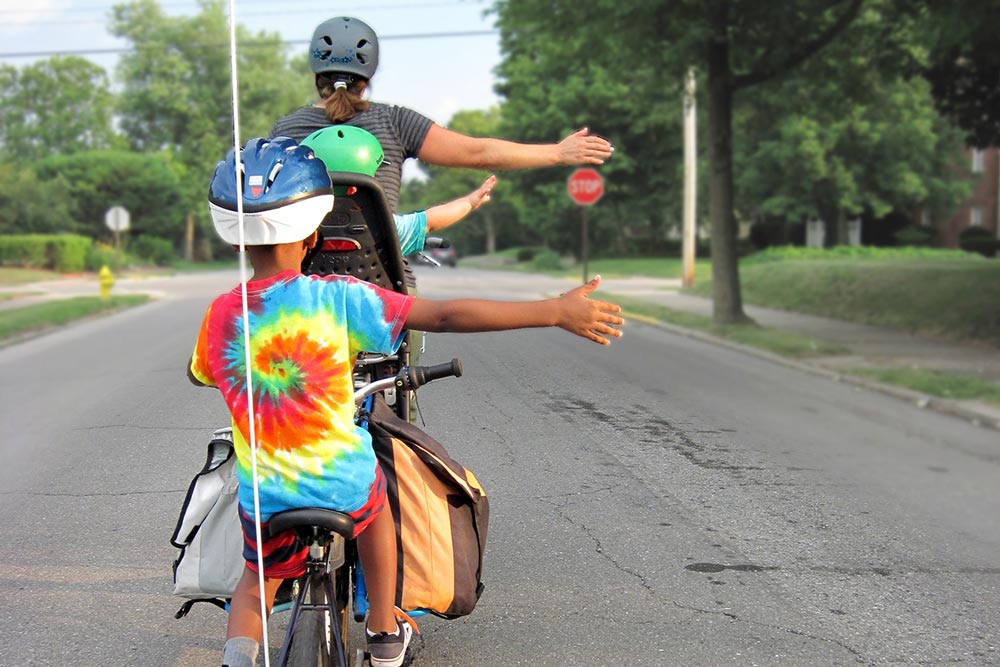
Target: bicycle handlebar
409, 378
421, 375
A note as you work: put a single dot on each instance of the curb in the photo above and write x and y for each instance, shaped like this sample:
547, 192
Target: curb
962, 410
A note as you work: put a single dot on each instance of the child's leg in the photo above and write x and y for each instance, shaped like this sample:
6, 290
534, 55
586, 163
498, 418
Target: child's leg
377, 549
244, 610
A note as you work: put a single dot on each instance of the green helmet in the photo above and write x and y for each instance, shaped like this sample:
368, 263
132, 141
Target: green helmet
346, 148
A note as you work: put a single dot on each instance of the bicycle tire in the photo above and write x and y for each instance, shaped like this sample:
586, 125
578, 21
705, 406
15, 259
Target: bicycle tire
309, 644
342, 603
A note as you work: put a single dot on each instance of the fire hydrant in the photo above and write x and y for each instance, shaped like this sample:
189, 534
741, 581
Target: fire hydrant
106, 279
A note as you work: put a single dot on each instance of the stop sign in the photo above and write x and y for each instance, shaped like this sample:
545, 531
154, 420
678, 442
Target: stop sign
585, 186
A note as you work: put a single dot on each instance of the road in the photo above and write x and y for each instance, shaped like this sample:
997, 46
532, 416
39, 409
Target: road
660, 502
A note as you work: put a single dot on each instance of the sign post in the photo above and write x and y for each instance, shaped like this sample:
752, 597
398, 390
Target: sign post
585, 186
117, 220
690, 178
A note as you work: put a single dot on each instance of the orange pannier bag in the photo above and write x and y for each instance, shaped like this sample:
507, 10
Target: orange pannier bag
441, 515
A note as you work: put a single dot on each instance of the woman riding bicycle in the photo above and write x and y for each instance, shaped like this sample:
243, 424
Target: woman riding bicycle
343, 55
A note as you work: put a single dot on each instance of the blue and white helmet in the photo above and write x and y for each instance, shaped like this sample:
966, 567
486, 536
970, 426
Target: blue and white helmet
286, 193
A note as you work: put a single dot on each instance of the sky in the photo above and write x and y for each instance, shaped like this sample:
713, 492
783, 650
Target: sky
435, 76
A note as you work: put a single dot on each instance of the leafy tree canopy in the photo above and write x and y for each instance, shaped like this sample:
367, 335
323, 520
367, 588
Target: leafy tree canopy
59, 105
94, 181
30, 205
177, 91
848, 134
963, 65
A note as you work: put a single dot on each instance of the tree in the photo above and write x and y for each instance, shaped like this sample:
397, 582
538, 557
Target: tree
735, 45
94, 181
177, 96
845, 136
60, 105
488, 229
565, 68
963, 65
29, 205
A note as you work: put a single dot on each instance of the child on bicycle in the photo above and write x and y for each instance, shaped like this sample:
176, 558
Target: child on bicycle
304, 335
353, 149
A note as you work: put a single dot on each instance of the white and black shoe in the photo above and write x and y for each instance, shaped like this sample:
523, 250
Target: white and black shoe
389, 649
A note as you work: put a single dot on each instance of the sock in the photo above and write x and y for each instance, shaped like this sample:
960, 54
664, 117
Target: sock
369, 633
240, 652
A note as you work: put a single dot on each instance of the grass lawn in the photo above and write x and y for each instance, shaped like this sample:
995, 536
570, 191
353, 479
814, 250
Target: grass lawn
652, 267
624, 267
936, 383
18, 323
773, 340
951, 299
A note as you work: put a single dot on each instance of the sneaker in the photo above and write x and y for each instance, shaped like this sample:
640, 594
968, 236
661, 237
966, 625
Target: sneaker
388, 650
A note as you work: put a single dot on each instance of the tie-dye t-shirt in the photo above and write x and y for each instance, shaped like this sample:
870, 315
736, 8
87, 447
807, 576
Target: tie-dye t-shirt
305, 332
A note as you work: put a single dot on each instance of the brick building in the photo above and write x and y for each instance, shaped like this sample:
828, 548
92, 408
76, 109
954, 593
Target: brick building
980, 209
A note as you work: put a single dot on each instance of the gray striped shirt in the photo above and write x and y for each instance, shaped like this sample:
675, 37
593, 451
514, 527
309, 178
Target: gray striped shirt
400, 130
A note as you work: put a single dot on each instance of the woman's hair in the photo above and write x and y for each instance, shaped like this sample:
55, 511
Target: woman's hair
344, 100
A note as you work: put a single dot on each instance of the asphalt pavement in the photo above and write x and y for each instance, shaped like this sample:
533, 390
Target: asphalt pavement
867, 346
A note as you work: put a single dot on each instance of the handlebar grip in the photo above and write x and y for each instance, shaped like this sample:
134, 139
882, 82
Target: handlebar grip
436, 242
421, 375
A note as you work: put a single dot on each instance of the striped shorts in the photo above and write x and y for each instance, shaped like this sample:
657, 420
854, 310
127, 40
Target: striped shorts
285, 553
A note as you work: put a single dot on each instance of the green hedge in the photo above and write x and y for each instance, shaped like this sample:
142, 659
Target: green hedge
793, 253
979, 239
65, 253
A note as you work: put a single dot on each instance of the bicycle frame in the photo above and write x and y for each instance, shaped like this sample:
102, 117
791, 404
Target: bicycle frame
317, 628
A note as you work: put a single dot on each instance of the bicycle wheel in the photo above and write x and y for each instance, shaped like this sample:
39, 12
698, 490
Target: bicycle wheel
311, 639
342, 596
309, 643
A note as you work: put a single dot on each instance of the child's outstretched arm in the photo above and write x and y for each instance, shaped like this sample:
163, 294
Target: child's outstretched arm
445, 215
574, 311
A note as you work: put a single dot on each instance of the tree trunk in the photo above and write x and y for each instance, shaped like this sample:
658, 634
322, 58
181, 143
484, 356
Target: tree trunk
189, 237
841, 238
491, 234
727, 301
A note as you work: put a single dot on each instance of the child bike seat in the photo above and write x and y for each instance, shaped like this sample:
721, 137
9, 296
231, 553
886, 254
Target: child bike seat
358, 237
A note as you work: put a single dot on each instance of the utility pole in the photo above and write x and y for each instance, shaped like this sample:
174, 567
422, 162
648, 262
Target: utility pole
690, 178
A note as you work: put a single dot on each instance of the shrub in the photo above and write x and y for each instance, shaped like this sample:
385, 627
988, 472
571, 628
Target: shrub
58, 252
157, 250
546, 260
783, 253
27, 251
68, 252
101, 254
526, 254
979, 239
913, 236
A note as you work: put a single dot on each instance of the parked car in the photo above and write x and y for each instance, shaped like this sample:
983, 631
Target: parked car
443, 256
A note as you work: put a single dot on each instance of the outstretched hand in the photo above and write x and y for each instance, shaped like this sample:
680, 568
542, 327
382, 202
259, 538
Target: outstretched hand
596, 320
481, 195
581, 147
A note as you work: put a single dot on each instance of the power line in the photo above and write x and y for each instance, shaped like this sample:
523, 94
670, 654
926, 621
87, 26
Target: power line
292, 42
12, 14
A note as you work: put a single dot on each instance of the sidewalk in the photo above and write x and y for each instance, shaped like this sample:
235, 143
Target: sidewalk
869, 347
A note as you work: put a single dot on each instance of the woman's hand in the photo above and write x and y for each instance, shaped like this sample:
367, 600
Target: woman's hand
581, 147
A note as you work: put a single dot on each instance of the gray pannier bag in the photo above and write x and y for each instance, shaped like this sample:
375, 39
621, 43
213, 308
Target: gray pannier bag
208, 531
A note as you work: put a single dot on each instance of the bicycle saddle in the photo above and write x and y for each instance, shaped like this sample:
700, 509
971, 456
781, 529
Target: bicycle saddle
331, 520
